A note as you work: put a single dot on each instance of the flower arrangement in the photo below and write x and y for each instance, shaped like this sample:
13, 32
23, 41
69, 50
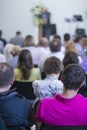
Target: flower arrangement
37, 10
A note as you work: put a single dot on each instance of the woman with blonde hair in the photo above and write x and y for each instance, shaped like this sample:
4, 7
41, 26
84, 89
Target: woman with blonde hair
70, 47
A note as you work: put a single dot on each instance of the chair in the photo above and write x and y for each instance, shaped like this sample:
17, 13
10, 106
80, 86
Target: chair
49, 127
16, 128
25, 89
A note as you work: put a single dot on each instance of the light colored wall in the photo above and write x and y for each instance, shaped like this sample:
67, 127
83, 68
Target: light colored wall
16, 15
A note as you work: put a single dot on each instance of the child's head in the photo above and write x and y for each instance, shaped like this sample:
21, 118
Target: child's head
52, 65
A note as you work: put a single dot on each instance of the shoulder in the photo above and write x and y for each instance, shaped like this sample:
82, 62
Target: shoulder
35, 70
17, 70
37, 83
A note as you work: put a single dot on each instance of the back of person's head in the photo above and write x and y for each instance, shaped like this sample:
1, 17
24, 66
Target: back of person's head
66, 37
57, 37
43, 42
55, 45
6, 74
70, 58
15, 50
77, 40
7, 51
25, 63
29, 41
73, 77
18, 33
70, 47
52, 65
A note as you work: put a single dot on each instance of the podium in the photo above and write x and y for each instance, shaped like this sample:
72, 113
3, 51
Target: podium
46, 29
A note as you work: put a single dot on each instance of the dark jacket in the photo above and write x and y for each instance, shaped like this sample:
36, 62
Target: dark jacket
15, 109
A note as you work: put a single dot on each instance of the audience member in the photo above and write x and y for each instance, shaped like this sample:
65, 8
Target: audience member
70, 58
84, 47
69, 108
78, 45
7, 52
15, 54
42, 49
57, 37
15, 110
30, 45
50, 85
2, 39
67, 38
55, 47
84, 54
25, 70
1, 47
18, 39
70, 47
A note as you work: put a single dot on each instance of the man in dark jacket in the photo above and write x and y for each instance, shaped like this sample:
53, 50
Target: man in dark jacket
15, 110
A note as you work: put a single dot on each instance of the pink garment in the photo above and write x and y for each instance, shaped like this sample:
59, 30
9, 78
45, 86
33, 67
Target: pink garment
62, 111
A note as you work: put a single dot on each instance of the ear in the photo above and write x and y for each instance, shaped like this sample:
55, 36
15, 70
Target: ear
11, 82
82, 84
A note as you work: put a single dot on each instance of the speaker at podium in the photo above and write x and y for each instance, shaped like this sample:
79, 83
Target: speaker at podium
46, 29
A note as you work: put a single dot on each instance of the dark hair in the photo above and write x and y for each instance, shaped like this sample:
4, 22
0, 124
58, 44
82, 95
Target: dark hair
29, 41
57, 37
66, 36
25, 63
77, 39
6, 74
55, 45
72, 77
52, 65
70, 58
18, 33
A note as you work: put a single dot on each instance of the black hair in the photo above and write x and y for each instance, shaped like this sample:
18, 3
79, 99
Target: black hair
73, 76
66, 36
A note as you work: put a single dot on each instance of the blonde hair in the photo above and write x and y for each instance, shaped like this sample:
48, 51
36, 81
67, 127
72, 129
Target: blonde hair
15, 50
70, 47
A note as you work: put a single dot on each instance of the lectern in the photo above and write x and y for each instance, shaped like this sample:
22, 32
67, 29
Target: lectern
45, 27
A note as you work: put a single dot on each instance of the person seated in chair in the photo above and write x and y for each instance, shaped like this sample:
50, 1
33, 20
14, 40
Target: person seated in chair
69, 108
15, 110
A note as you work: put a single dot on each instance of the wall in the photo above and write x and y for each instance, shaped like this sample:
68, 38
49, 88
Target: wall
16, 15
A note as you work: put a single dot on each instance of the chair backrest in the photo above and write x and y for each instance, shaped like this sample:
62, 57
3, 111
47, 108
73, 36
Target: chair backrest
49, 127
24, 88
16, 128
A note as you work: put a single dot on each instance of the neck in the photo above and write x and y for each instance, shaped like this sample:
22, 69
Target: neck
69, 93
52, 75
5, 88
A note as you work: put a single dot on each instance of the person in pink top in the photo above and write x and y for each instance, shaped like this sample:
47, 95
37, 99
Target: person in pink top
69, 108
